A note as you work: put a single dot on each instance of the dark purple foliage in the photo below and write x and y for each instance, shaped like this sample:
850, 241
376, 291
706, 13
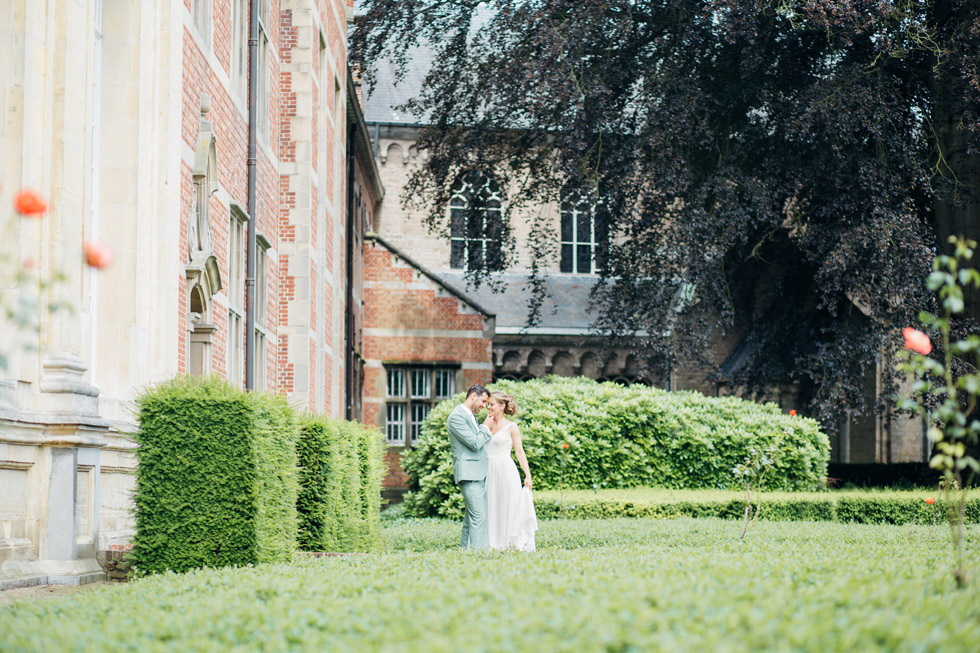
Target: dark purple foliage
780, 170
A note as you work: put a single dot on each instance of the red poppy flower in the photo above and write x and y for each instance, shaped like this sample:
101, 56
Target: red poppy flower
97, 255
916, 341
30, 202
930, 501
792, 412
564, 445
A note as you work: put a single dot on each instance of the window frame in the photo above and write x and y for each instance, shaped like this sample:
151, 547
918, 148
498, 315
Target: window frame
407, 430
263, 92
239, 48
237, 243
572, 205
201, 14
472, 227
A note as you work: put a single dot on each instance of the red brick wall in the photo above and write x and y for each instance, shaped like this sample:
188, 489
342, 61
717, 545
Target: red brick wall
412, 306
208, 72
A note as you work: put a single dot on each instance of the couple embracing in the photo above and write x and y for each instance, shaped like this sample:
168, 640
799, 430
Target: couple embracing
499, 512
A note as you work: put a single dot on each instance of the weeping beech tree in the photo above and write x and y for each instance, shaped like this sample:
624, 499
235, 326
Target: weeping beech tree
782, 168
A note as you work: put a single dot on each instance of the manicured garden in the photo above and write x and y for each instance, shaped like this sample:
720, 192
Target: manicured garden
236, 491
612, 584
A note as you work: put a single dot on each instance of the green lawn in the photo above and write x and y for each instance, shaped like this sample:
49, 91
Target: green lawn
593, 585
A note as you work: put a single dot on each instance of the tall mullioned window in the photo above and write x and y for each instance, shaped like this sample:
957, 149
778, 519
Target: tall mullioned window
238, 223
201, 14
583, 232
411, 392
260, 369
239, 48
477, 224
262, 87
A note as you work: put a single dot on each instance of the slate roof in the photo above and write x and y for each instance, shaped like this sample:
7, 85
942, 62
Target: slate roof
564, 312
379, 101
386, 94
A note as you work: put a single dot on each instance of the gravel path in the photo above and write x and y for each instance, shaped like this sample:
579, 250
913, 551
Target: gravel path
45, 592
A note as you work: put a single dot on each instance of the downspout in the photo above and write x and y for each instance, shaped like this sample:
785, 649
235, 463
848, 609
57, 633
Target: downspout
253, 82
349, 312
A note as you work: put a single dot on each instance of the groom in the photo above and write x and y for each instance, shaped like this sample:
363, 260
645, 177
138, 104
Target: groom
467, 440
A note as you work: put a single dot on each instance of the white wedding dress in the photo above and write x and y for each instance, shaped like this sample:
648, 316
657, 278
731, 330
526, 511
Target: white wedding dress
511, 520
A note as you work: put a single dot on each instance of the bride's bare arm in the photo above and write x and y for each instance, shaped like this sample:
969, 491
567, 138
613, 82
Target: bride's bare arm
515, 436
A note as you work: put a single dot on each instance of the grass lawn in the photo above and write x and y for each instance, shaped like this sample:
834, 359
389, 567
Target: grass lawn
593, 585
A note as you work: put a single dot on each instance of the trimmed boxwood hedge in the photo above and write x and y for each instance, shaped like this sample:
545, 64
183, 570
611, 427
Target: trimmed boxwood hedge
341, 468
840, 506
216, 480
623, 437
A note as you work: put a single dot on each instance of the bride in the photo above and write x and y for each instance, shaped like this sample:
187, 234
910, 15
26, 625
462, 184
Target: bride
511, 520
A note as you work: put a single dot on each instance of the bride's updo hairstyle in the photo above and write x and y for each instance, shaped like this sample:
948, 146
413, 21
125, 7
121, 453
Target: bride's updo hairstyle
510, 405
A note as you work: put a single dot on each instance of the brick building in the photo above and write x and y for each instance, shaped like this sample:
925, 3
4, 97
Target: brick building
133, 118
562, 342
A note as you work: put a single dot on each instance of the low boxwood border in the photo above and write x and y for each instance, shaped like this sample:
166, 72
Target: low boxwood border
851, 508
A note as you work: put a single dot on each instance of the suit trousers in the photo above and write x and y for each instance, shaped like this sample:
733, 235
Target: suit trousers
475, 519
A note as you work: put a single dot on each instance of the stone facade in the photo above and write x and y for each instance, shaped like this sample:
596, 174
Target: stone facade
132, 118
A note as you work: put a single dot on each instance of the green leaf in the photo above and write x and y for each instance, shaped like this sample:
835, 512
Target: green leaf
954, 302
938, 279
970, 383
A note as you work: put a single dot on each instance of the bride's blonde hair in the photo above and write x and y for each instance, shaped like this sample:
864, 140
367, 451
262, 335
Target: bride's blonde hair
510, 405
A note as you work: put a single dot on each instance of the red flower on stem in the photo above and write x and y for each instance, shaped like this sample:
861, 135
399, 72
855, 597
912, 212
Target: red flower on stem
97, 255
916, 341
30, 202
564, 445
792, 412
930, 501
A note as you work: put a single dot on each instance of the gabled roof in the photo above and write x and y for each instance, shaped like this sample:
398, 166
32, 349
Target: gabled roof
564, 311
434, 277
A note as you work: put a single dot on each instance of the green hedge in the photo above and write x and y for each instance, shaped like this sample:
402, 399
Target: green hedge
839, 506
216, 480
623, 437
341, 468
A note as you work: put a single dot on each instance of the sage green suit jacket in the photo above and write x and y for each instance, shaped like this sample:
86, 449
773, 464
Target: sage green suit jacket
467, 442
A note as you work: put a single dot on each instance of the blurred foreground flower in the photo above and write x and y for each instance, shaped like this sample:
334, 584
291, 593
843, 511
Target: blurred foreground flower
30, 202
930, 501
792, 412
916, 341
97, 255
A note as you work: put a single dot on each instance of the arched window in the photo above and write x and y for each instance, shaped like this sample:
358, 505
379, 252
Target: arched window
584, 231
477, 226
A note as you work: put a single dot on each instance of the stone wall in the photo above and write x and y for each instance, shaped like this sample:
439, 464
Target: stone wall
132, 119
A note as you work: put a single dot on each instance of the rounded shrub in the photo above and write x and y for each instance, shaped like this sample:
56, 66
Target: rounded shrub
620, 437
